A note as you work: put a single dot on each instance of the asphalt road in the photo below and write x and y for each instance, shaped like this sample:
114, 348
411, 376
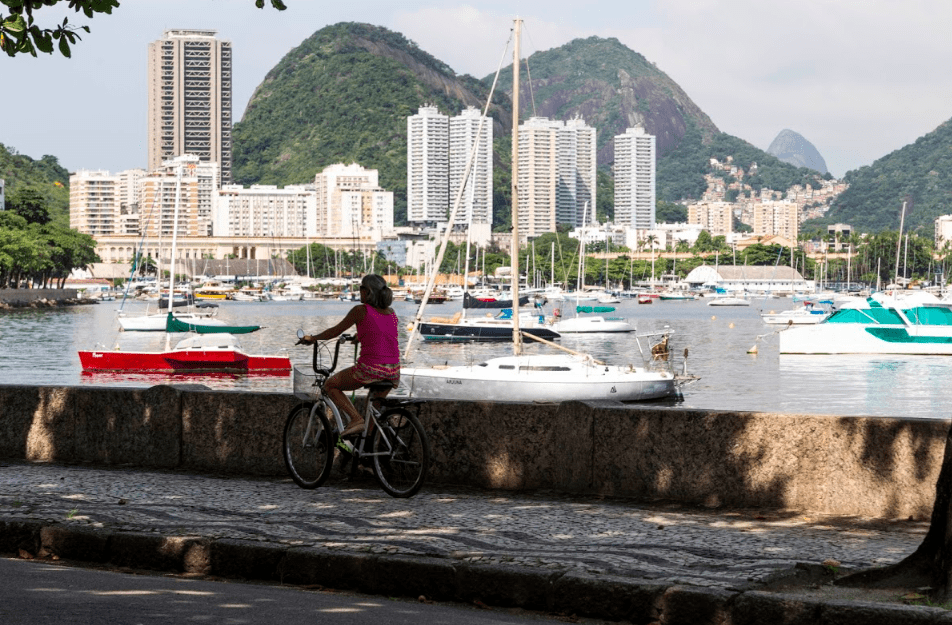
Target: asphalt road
38, 592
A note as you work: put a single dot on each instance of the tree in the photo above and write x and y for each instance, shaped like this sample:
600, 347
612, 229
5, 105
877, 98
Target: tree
930, 565
20, 33
30, 204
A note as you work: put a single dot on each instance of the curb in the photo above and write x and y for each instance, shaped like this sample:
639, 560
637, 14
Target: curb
604, 597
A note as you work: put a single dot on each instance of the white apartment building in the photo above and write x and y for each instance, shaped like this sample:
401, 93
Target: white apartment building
350, 203
556, 174
3, 195
94, 202
943, 230
781, 218
537, 176
199, 186
635, 174
476, 205
576, 172
189, 83
265, 210
428, 184
715, 217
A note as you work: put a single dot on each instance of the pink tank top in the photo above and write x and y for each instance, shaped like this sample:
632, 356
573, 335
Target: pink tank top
378, 338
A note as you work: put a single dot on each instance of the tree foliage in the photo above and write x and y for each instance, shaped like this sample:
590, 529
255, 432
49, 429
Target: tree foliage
41, 255
20, 33
45, 176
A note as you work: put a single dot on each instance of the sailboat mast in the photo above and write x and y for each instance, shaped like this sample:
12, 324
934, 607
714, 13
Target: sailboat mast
902, 219
514, 195
178, 195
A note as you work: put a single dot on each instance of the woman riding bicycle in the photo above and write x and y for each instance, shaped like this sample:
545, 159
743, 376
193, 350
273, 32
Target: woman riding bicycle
379, 359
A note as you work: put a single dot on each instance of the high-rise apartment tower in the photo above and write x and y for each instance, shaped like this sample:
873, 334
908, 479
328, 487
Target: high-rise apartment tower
635, 179
190, 99
428, 166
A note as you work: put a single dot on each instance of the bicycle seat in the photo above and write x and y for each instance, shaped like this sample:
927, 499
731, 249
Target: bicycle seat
379, 386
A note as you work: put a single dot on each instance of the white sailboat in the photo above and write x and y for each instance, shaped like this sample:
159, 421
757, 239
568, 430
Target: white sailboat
528, 378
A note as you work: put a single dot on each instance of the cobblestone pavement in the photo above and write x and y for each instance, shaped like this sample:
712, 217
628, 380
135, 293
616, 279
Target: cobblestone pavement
543, 530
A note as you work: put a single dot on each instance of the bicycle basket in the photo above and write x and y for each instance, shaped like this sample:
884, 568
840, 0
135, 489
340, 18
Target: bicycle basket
305, 384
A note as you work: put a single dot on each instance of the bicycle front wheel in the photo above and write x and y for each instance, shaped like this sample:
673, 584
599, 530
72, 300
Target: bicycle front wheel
401, 453
308, 446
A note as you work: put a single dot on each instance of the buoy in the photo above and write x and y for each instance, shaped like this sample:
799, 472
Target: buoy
713, 317
731, 326
752, 350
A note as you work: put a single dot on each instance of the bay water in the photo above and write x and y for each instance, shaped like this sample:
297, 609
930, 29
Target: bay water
39, 347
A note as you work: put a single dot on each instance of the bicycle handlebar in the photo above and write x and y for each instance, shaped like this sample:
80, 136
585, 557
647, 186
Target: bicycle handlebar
343, 338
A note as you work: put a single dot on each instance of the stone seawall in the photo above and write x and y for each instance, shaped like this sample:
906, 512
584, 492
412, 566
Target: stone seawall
839, 465
21, 298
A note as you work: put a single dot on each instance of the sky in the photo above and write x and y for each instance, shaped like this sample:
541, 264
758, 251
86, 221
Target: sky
857, 78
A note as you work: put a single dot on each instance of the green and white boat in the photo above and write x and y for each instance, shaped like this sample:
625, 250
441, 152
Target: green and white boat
891, 322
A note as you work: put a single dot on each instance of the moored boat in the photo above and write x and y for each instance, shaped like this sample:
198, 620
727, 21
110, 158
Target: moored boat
911, 322
200, 354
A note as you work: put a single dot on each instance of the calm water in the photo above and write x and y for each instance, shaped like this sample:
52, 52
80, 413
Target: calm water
40, 347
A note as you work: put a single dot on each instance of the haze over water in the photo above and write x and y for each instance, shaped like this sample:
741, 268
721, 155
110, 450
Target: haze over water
40, 347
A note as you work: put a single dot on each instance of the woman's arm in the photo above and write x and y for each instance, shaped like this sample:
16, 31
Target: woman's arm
353, 316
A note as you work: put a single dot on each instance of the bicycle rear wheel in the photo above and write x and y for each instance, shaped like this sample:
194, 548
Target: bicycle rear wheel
308, 446
404, 453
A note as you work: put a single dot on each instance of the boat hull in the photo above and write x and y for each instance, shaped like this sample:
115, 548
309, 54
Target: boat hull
538, 379
578, 325
477, 332
198, 361
839, 338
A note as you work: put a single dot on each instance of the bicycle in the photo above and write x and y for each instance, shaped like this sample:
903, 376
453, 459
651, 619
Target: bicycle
393, 440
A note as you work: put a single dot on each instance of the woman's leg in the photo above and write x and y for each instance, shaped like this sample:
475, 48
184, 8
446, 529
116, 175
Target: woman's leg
335, 386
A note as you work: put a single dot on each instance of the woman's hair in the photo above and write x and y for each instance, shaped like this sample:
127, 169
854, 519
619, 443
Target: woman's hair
379, 294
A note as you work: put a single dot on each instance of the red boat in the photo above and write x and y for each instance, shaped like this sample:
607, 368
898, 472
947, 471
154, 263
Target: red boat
199, 354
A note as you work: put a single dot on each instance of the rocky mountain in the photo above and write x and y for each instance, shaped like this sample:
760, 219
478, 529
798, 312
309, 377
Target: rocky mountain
920, 172
612, 88
343, 95
791, 147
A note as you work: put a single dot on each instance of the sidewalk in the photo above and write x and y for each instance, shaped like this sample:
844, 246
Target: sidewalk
588, 556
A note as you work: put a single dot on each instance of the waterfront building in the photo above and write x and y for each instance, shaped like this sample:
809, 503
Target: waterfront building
943, 231
350, 203
3, 195
476, 204
635, 175
759, 279
715, 217
199, 185
94, 202
428, 166
189, 95
265, 210
781, 218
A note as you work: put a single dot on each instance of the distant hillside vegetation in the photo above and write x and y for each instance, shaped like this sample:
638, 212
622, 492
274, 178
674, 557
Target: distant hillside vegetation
922, 171
681, 171
343, 95
20, 171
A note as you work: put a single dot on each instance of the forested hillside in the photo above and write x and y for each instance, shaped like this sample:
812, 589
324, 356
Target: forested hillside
46, 176
343, 95
921, 172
